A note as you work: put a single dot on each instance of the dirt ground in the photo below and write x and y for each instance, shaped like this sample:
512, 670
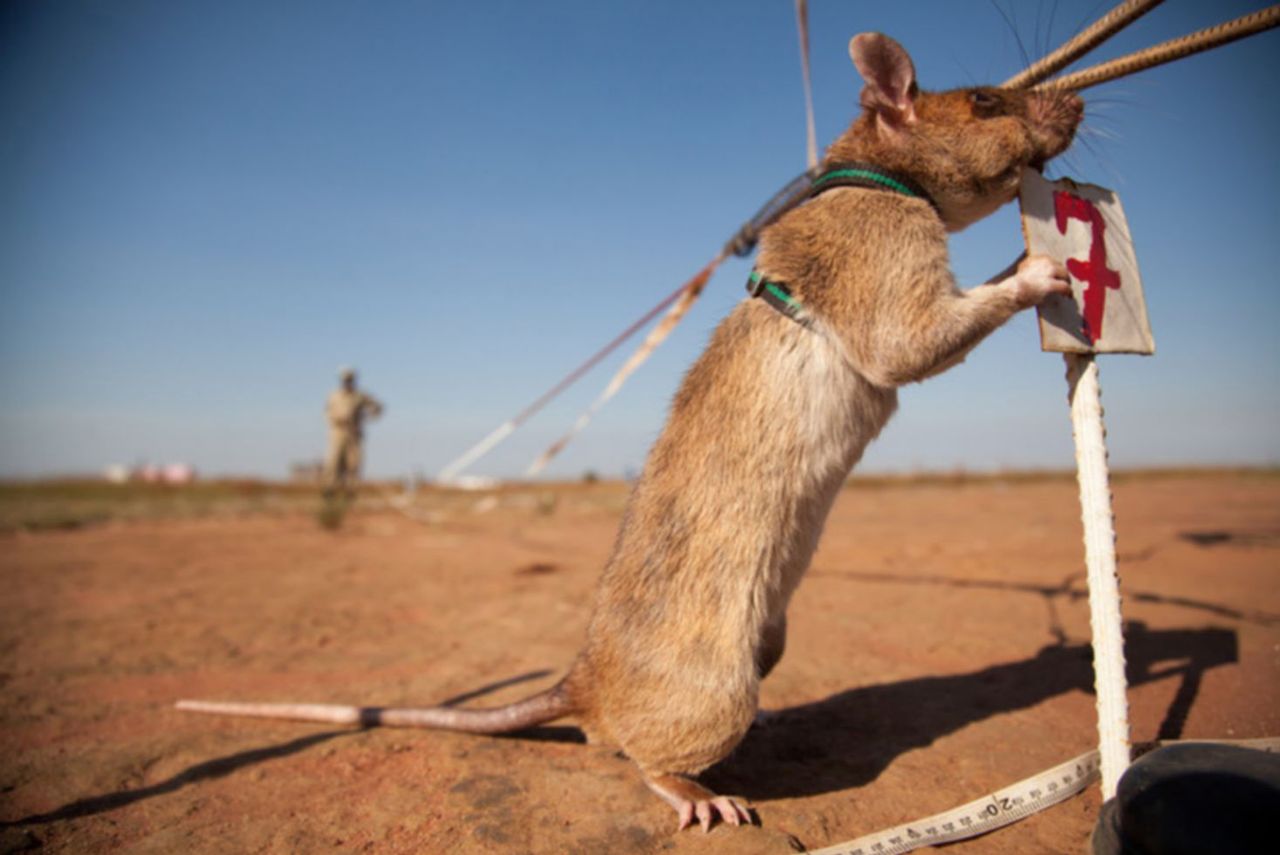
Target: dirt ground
938, 651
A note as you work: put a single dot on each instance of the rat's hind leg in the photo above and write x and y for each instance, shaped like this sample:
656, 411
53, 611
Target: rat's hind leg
690, 799
773, 641
688, 732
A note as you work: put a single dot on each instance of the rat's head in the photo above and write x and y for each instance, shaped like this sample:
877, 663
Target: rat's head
966, 147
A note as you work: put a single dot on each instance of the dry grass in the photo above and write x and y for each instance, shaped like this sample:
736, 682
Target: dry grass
64, 504
71, 503
961, 477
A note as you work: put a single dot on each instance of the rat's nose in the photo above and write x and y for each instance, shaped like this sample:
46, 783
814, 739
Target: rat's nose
1054, 108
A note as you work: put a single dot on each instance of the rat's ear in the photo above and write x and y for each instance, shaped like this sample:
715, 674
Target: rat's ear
890, 77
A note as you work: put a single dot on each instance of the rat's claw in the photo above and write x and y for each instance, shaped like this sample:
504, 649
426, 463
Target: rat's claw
692, 800
729, 810
723, 808
705, 815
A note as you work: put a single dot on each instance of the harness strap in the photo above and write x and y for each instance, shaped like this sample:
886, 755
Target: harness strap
779, 297
854, 174
851, 174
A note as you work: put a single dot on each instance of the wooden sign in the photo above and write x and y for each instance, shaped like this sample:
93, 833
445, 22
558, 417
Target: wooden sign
1083, 226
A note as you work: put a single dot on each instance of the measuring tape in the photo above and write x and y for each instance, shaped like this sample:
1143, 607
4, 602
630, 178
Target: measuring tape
1001, 808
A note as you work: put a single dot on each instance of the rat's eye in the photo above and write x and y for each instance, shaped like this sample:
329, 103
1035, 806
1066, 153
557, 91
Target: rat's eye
985, 104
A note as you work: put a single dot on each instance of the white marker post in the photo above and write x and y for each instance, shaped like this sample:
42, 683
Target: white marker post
1084, 227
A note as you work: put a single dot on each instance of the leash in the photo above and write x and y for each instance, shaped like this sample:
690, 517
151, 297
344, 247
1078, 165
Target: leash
505, 429
687, 294
775, 294
798, 189
802, 26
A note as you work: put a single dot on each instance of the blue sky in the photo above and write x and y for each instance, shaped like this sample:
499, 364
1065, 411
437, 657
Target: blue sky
210, 206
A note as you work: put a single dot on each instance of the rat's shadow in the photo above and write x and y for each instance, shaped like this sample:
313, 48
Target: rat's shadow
792, 755
217, 768
222, 766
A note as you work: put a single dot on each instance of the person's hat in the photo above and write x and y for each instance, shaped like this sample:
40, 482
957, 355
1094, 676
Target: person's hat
346, 371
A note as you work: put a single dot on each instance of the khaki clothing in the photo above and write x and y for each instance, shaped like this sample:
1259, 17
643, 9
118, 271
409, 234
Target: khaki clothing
346, 411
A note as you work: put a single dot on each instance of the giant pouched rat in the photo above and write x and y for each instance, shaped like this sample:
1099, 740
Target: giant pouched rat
690, 613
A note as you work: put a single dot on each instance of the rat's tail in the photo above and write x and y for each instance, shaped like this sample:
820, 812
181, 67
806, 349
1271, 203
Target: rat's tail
542, 707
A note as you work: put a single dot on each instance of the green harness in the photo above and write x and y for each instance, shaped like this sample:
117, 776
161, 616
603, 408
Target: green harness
777, 294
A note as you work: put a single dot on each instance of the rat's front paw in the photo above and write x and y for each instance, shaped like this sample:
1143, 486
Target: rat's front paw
1039, 276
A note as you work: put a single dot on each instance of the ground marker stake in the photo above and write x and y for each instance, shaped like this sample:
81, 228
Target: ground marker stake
1084, 227
1100, 559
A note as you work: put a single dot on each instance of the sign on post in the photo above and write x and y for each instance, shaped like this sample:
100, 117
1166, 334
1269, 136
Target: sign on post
1083, 225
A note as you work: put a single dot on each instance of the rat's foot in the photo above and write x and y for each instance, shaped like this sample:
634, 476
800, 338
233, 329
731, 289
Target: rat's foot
690, 800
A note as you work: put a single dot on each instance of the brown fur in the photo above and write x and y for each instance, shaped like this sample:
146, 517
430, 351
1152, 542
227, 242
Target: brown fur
690, 613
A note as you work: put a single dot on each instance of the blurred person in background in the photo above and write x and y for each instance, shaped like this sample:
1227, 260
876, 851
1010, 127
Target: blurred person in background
346, 410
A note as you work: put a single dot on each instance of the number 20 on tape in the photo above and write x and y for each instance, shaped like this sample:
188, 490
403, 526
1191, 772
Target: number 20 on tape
1084, 227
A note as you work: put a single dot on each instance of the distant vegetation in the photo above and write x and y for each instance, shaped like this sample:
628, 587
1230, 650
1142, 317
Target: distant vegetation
66, 504
960, 477
70, 504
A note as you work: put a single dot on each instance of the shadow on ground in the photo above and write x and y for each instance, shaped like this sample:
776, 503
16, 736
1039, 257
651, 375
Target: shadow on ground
793, 754
218, 768
223, 766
